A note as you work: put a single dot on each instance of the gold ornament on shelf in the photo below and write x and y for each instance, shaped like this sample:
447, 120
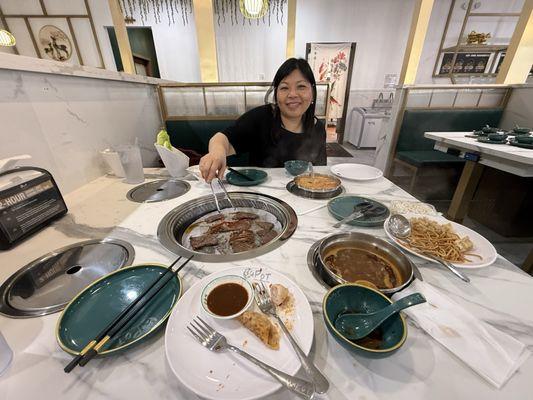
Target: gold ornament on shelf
477, 38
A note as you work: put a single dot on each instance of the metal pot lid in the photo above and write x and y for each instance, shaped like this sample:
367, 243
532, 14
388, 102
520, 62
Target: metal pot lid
162, 189
47, 284
294, 189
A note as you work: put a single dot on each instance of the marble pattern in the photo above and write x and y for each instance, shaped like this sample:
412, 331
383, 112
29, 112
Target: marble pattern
513, 159
500, 295
65, 121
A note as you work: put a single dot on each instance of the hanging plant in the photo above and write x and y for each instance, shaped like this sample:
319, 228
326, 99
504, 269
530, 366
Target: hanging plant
172, 8
232, 8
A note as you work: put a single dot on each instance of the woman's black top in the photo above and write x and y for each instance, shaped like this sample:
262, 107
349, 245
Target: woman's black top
252, 133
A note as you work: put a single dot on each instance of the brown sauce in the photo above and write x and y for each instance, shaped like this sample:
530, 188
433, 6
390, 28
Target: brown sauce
227, 299
353, 264
373, 341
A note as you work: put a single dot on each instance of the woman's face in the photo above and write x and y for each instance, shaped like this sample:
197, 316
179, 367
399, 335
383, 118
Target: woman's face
294, 95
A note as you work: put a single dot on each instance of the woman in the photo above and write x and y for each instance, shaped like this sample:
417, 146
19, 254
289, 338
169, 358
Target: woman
274, 133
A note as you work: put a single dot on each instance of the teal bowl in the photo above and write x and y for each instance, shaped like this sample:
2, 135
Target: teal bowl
257, 177
489, 129
384, 341
97, 305
521, 130
296, 167
497, 136
524, 139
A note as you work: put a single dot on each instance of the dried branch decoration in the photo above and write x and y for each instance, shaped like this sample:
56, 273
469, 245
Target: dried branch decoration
171, 7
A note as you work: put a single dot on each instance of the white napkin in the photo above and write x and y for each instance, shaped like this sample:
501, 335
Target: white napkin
491, 353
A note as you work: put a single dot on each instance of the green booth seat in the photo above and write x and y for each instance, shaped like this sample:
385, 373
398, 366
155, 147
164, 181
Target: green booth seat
426, 157
195, 135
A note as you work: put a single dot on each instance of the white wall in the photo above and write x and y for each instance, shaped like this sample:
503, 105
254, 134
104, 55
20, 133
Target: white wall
64, 121
175, 44
379, 27
250, 52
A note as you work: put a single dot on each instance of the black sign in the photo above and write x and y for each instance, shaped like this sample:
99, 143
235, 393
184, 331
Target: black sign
465, 63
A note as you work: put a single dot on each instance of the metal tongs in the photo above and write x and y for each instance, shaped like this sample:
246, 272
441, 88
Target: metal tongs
225, 192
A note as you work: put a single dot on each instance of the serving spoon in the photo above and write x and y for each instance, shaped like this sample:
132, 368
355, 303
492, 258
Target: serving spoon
356, 326
400, 228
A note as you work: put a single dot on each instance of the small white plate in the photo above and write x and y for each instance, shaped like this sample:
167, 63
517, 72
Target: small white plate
227, 375
356, 172
482, 246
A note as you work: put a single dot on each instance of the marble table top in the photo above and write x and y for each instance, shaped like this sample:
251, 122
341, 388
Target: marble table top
500, 294
513, 159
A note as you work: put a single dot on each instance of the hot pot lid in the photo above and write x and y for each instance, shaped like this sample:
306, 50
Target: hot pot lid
162, 189
47, 284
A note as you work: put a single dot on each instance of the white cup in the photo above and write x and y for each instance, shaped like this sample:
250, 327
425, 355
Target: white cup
6, 355
130, 157
112, 159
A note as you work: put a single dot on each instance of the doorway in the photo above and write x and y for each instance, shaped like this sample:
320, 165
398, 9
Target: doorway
142, 48
332, 63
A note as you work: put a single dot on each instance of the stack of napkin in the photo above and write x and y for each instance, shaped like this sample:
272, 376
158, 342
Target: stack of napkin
491, 353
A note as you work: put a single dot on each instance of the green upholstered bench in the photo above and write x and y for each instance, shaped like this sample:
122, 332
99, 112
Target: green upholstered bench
414, 151
195, 135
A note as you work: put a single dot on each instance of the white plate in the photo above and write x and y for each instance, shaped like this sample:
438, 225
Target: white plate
356, 172
482, 246
227, 375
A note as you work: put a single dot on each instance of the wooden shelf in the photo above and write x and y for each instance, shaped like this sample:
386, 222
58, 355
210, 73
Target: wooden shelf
476, 48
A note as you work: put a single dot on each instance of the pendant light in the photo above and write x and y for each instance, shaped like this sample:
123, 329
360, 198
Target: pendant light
6, 38
253, 9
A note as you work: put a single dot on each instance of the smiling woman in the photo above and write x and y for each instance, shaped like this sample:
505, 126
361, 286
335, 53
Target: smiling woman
274, 133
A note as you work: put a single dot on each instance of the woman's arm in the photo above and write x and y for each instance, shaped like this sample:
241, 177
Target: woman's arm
214, 163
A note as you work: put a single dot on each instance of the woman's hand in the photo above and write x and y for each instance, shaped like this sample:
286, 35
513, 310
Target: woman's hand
213, 164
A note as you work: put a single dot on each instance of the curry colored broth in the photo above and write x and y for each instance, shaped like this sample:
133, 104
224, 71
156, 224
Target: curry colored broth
353, 264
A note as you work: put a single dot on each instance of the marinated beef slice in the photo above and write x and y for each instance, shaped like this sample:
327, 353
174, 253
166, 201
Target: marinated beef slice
266, 236
244, 215
242, 241
266, 226
198, 242
229, 226
214, 218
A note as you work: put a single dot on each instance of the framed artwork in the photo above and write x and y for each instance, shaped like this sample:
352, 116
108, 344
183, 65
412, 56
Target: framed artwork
465, 63
54, 43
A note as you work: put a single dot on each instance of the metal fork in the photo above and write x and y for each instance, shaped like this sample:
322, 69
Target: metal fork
217, 342
225, 192
264, 301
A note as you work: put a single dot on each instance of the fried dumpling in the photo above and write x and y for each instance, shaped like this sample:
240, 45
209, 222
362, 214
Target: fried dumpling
262, 327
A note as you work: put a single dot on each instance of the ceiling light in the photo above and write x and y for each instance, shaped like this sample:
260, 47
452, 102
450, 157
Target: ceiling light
253, 9
6, 38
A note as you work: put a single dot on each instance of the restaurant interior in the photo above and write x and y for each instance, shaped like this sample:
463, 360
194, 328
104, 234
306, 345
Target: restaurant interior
125, 273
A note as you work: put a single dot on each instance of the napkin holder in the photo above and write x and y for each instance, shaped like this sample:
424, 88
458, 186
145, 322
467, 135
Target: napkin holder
175, 161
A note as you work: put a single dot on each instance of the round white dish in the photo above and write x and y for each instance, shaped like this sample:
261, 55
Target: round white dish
482, 246
356, 172
227, 375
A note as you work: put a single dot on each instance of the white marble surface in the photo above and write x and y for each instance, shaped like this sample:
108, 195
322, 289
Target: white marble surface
512, 159
64, 122
500, 295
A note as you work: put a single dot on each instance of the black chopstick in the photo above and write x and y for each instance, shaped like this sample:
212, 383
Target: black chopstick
129, 312
240, 174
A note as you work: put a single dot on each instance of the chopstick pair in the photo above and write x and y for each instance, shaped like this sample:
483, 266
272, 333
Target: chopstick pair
122, 319
241, 174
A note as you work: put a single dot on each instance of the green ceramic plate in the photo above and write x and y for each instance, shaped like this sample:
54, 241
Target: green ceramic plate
523, 145
258, 176
98, 304
487, 140
342, 206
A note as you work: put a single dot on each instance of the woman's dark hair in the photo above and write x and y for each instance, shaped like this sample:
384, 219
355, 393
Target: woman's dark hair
285, 69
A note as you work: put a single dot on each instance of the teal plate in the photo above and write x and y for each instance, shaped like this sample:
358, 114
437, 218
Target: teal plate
257, 176
487, 140
342, 206
98, 304
522, 145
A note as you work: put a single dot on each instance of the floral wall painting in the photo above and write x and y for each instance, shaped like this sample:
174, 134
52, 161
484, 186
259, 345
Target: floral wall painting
331, 63
54, 43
